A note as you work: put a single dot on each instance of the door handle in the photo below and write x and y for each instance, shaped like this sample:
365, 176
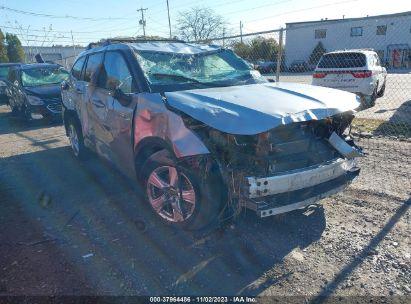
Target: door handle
98, 103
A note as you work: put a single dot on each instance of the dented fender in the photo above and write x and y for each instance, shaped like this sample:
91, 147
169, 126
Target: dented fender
153, 120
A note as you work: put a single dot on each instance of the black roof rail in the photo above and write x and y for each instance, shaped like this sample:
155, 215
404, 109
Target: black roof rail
129, 40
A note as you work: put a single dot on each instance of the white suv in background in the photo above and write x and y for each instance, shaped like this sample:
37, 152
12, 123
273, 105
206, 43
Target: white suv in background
356, 71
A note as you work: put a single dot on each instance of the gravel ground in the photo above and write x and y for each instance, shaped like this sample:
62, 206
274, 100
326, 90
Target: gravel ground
80, 228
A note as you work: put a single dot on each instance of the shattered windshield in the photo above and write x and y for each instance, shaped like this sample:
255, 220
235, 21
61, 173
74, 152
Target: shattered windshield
43, 76
171, 71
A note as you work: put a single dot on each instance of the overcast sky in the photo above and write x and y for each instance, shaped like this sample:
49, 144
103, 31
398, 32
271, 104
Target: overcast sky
122, 19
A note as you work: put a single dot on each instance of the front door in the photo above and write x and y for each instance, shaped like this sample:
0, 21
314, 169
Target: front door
115, 111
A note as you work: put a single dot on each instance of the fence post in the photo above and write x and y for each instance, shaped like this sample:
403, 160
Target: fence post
279, 56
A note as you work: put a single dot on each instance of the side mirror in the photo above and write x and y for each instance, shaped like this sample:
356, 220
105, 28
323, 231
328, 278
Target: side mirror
122, 97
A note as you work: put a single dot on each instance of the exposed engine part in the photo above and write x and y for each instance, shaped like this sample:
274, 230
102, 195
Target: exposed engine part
282, 149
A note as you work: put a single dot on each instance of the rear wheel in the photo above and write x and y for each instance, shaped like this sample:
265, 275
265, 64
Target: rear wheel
177, 195
382, 91
76, 139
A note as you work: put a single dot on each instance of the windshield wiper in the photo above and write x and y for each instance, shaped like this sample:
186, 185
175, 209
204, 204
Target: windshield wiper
176, 77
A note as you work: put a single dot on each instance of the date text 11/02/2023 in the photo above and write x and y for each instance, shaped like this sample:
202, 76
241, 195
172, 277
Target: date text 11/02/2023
203, 299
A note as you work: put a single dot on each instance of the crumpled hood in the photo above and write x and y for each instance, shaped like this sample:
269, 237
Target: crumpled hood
256, 108
46, 91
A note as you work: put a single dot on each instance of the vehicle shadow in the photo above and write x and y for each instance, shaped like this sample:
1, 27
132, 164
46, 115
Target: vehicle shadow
103, 226
399, 123
11, 124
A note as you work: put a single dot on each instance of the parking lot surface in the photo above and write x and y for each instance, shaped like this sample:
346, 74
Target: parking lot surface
75, 228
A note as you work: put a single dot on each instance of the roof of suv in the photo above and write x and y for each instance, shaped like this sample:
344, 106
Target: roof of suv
175, 47
363, 51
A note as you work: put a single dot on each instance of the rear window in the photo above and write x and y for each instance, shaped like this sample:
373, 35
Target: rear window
342, 60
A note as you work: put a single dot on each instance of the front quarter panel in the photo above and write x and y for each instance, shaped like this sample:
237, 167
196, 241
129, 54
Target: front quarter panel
154, 120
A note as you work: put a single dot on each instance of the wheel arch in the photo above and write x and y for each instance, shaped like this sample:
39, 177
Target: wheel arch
67, 115
147, 147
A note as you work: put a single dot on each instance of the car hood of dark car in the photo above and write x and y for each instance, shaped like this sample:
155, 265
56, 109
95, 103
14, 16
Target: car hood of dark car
45, 91
256, 108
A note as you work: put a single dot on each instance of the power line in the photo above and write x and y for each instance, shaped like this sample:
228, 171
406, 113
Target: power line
303, 10
61, 16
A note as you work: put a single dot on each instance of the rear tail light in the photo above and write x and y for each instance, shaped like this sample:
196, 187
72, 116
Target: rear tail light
362, 74
319, 75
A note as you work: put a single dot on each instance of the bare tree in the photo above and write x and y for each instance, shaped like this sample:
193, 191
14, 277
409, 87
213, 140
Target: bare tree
199, 24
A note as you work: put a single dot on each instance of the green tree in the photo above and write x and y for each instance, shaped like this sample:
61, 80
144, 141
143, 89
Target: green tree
241, 49
264, 49
15, 51
259, 48
315, 56
3, 49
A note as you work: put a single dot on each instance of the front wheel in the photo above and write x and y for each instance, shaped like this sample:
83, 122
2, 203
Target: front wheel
177, 194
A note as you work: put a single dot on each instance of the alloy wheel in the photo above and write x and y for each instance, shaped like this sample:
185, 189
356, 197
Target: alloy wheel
171, 194
74, 142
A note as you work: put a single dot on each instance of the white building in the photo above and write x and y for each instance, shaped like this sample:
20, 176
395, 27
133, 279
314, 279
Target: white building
64, 55
389, 35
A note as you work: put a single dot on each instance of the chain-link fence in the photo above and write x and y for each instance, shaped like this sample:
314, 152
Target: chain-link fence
370, 57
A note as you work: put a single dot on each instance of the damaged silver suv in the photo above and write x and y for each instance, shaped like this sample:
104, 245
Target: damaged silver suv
203, 134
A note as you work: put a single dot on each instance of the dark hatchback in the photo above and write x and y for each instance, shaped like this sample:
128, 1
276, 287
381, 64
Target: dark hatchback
34, 90
4, 72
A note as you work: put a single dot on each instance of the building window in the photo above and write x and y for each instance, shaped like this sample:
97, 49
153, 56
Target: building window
356, 31
381, 29
320, 34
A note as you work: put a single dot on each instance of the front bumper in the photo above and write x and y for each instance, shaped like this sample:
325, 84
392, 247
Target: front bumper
284, 193
299, 188
48, 111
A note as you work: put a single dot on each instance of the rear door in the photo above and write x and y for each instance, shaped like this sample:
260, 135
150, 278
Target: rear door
379, 71
93, 112
73, 97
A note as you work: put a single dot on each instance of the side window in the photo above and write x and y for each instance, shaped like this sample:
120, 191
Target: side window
93, 64
377, 60
116, 73
77, 67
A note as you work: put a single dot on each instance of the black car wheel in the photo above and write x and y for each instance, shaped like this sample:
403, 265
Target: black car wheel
382, 91
76, 139
14, 111
177, 194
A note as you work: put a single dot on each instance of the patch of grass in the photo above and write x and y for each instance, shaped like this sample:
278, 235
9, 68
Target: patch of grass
381, 127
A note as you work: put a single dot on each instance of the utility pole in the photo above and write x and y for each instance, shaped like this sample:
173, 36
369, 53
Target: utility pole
241, 31
279, 55
142, 20
169, 22
72, 41
223, 36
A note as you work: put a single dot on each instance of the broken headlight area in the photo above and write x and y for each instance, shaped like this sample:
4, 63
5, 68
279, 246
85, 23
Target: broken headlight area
262, 169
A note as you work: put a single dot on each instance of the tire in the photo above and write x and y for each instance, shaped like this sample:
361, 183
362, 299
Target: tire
373, 98
164, 181
14, 111
382, 91
75, 135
